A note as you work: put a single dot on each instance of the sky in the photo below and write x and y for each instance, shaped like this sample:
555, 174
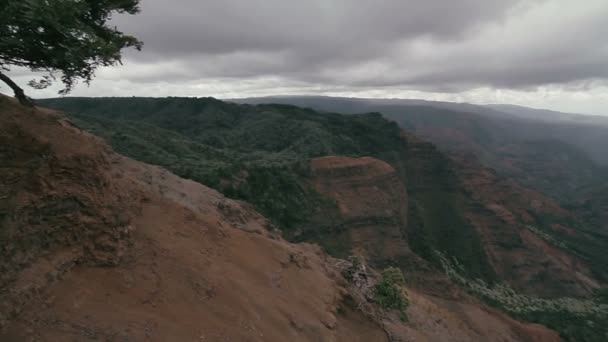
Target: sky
539, 53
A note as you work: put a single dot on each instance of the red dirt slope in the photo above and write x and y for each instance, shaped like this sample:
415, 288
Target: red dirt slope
99, 247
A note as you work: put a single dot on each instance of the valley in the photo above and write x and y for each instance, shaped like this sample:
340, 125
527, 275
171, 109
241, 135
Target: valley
266, 154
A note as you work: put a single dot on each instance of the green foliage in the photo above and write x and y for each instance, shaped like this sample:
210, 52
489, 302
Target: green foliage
587, 243
260, 154
436, 207
67, 36
575, 319
547, 237
389, 292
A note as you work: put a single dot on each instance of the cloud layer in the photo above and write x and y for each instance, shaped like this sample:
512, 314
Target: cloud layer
343, 46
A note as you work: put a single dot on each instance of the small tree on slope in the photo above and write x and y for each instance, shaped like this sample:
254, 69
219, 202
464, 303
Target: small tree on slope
67, 37
389, 292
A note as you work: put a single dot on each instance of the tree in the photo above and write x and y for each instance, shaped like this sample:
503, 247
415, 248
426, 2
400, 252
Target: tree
389, 292
71, 38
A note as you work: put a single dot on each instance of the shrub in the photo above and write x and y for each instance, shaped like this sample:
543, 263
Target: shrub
576, 319
389, 292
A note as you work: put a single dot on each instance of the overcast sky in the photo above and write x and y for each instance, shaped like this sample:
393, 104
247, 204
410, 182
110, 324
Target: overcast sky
540, 53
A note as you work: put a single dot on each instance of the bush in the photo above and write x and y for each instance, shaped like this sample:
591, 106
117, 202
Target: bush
576, 319
389, 292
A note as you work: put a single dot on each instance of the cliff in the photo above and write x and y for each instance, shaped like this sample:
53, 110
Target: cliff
372, 203
506, 217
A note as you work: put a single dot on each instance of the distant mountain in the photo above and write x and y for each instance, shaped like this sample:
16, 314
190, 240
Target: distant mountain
352, 103
549, 115
491, 110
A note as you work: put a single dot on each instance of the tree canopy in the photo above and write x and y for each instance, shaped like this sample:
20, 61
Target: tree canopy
65, 38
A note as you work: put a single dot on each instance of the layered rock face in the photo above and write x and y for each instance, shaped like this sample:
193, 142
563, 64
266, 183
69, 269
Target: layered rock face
372, 202
498, 213
502, 216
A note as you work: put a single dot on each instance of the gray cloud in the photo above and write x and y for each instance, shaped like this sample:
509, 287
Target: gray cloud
327, 26
465, 49
431, 45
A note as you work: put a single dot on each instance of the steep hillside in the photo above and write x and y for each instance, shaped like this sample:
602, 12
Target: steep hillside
264, 157
100, 247
88, 234
504, 141
592, 205
372, 204
269, 155
261, 154
501, 202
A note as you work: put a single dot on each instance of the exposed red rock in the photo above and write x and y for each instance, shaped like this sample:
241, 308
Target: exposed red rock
372, 202
529, 263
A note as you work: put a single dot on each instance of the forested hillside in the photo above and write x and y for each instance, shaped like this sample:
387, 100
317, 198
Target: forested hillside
561, 155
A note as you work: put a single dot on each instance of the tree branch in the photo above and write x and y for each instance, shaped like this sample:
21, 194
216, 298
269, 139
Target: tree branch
19, 93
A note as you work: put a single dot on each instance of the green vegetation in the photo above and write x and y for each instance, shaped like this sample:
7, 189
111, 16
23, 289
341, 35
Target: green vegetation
257, 154
575, 319
389, 292
261, 154
587, 243
547, 237
558, 158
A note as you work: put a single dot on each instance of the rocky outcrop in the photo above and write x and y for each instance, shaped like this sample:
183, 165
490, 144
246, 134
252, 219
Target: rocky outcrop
372, 203
60, 204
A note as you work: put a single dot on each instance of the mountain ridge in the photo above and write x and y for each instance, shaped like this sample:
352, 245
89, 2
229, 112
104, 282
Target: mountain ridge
563, 159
